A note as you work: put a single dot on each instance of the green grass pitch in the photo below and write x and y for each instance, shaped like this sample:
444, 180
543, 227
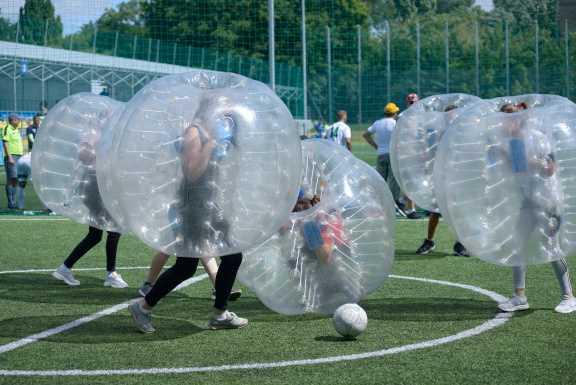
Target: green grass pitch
535, 347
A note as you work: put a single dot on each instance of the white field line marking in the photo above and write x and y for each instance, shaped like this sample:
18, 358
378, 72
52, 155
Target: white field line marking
498, 320
80, 269
74, 324
34, 219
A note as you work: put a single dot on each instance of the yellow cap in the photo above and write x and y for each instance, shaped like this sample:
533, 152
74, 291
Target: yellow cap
391, 108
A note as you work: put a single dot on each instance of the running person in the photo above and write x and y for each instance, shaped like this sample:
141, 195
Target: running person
545, 167
340, 132
93, 201
196, 188
428, 245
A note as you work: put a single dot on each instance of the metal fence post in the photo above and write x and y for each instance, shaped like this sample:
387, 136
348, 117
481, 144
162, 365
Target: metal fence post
567, 57
359, 38
304, 59
115, 44
418, 57
388, 68
507, 54
329, 62
477, 55
447, 55
134, 45
537, 56
271, 46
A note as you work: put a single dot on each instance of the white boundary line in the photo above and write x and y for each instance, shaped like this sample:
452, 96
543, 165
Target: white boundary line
81, 321
499, 320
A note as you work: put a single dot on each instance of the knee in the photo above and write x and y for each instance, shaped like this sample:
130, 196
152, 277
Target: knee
22, 184
232, 260
113, 237
95, 234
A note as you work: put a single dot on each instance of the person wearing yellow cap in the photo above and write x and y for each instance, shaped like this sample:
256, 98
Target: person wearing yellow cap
379, 135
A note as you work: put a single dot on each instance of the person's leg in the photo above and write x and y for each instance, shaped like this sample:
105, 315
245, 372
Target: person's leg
225, 278
568, 302
156, 266
518, 301
211, 268
182, 269
11, 186
20, 194
141, 310
91, 239
111, 250
63, 272
113, 279
428, 244
433, 220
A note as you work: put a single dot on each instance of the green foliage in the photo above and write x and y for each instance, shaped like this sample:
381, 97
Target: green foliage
38, 23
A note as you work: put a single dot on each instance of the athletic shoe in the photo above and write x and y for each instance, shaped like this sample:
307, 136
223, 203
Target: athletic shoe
145, 289
515, 303
234, 295
413, 215
460, 250
229, 320
426, 247
566, 306
65, 274
115, 280
142, 319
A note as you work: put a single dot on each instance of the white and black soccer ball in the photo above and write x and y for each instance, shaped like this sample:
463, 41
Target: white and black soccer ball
350, 320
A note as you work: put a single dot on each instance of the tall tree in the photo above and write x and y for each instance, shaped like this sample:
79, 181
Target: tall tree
527, 12
38, 23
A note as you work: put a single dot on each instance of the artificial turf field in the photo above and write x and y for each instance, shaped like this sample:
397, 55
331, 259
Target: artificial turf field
534, 347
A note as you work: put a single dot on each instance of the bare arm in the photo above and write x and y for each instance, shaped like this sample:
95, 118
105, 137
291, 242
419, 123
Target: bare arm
367, 135
195, 155
7, 153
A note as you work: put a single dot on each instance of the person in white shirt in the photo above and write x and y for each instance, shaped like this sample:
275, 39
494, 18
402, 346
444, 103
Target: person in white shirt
379, 135
340, 132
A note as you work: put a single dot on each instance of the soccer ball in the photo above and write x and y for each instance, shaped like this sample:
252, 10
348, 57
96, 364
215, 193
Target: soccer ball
350, 320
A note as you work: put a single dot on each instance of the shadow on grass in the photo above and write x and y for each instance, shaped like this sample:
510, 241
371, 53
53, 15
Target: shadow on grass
118, 328
408, 255
428, 309
43, 288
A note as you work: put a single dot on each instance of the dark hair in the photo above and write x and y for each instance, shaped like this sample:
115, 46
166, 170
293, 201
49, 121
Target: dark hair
450, 107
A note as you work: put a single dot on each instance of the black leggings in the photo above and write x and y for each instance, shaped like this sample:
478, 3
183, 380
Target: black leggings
94, 237
185, 268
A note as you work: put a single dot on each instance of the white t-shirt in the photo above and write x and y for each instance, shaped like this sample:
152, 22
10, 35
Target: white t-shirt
23, 167
340, 133
382, 130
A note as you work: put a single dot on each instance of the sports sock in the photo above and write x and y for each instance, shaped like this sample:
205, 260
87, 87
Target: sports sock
20, 197
519, 277
563, 276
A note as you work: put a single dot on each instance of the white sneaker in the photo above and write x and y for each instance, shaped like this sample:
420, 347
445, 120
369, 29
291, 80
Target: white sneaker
516, 303
115, 280
227, 320
566, 306
65, 274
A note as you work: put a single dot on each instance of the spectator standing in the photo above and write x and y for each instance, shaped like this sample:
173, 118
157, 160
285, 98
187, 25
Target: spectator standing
340, 132
13, 150
32, 130
379, 136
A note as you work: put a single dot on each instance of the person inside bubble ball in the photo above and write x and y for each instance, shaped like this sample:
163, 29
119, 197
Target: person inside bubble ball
197, 190
322, 233
532, 162
87, 188
428, 245
408, 207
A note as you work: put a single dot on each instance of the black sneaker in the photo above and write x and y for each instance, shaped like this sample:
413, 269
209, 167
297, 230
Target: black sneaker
460, 250
427, 246
234, 295
413, 215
